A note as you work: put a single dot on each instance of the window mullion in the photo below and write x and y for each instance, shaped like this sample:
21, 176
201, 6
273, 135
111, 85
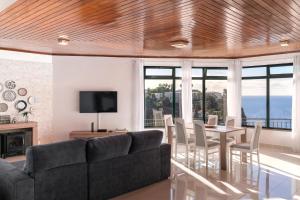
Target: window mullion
268, 98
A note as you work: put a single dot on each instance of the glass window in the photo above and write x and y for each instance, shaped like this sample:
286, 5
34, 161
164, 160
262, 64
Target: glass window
197, 100
178, 109
197, 72
158, 101
267, 96
216, 99
216, 72
158, 72
253, 101
254, 71
178, 72
281, 102
281, 70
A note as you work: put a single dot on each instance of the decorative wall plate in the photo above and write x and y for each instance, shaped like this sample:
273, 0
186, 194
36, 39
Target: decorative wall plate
10, 84
1, 87
3, 107
31, 100
9, 95
22, 91
21, 105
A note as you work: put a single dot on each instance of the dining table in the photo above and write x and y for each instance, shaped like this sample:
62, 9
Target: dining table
222, 132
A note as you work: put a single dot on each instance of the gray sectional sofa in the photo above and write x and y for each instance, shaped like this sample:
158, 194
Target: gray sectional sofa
92, 169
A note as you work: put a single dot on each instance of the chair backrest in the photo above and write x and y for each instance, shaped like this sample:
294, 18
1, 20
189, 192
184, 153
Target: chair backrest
212, 120
254, 144
180, 131
158, 118
168, 119
230, 122
200, 134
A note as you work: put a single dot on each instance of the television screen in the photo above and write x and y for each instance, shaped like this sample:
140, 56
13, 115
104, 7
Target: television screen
98, 101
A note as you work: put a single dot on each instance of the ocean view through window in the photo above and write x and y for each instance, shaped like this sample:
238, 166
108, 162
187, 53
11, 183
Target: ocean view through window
267, 96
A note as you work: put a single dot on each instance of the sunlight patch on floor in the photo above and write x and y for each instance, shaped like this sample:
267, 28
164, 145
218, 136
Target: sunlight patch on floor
198, 177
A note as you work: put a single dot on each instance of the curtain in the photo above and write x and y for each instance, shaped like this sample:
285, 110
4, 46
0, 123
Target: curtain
296, 105
186, 96
234, 91
138, 95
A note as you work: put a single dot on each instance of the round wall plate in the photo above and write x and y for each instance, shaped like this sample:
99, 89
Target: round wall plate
31, 100
21, 105
10, 84
22, 91
3, 107
9, 95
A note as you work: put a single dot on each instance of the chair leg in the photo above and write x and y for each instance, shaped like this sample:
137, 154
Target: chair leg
241, 159
258, 159
230, 160
251, 160
187, 155
195, 152
176, 151
206, 158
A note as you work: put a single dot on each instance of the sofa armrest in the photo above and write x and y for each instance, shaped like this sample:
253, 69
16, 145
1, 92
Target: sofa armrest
165, 157
14, 183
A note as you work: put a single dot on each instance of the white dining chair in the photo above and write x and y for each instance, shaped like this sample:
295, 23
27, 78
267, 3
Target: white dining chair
251, 148
212, 120
158, 118
168, 121
201, 143
230, 122
182, 138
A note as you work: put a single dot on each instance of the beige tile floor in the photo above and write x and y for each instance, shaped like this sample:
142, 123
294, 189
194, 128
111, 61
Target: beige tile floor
278, 177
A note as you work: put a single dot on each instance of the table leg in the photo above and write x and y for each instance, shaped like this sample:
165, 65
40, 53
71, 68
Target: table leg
223, 157
244, 140
170, 139
170, 134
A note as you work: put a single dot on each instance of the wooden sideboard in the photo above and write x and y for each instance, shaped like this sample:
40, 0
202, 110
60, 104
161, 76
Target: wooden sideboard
23, 125
89, 134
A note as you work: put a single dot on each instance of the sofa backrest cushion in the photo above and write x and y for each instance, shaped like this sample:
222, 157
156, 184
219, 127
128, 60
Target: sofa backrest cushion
45, 157
145, 140
100, 149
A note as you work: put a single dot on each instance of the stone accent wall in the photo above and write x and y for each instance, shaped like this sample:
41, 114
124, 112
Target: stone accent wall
37, 78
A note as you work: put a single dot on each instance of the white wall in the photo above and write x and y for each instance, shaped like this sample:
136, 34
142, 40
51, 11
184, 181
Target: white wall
73, 74
33, 72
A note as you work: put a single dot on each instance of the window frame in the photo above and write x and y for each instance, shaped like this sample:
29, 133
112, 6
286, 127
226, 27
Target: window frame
203, 80
172, 77
268, 77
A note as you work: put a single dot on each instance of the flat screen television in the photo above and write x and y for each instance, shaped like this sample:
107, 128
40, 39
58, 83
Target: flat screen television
98, 101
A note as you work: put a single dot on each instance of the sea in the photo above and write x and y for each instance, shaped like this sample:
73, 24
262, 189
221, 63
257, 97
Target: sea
255, 107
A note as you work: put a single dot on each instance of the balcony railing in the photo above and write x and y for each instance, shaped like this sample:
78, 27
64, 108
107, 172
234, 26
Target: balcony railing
274, 123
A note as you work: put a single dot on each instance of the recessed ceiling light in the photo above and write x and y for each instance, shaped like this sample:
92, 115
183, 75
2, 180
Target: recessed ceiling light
179, 43
284, 43
63, 40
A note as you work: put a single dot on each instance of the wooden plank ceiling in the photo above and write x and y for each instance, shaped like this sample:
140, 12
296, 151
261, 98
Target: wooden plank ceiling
145, 28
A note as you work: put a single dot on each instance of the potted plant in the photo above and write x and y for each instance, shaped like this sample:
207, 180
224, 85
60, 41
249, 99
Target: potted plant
26, 115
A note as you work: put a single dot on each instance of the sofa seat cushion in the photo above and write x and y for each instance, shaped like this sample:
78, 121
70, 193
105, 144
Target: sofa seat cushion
50, 156
100, 149
145, 140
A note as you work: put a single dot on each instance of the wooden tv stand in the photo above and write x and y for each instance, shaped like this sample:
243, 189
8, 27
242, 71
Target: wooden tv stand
89, 134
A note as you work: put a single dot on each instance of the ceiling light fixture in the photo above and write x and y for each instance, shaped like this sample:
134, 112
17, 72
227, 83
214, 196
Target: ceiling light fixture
63, 40
179, 44
284, 43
